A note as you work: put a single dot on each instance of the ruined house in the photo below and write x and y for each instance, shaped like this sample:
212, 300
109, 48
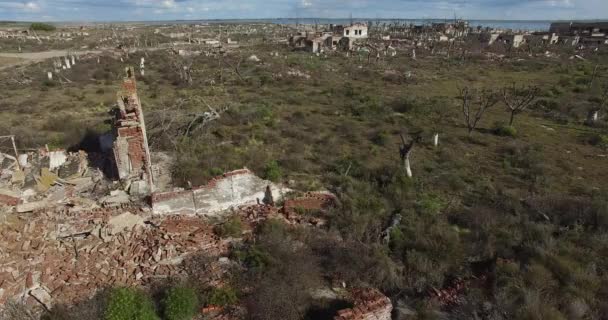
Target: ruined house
356, 31
337, 37
591, 34
131, 151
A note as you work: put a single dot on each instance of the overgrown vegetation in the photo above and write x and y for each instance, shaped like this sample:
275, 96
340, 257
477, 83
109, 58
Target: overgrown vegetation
180, 303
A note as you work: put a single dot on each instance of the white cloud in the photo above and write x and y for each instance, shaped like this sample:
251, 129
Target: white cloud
32, 6
169, 4
306, 4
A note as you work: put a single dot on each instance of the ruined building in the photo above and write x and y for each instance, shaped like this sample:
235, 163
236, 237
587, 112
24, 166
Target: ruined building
130, 148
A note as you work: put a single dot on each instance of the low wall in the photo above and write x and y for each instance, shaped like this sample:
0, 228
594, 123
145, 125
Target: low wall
231, 190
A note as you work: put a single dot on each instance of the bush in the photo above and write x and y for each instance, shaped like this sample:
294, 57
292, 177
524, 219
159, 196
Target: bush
430, 204
129, 304
272, 171
596, 139
181, 303
37, 26
233, 227
222, 297
505, 130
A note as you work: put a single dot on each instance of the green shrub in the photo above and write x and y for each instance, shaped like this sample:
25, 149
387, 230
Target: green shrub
181, 303
48, 83
222, 297
505, 130
233, 227
272, 171
37, 26
596, 139
129, 304
430, 204
255, 258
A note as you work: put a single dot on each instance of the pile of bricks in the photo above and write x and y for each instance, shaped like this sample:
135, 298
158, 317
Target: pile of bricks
65, 257
451, 295
254, 214
369, 304
310, 201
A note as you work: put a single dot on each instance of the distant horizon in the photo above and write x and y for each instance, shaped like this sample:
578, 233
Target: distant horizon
172, 10
304, 18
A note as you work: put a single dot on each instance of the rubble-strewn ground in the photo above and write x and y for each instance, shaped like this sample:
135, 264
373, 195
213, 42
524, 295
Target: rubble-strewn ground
63, 257
490, 226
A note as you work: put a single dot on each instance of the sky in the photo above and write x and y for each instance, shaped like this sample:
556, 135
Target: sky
148, 10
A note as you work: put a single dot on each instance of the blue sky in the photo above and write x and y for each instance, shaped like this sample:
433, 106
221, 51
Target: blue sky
116, 10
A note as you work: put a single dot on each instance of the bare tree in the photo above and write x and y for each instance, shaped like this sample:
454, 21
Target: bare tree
405, 151
518, 99
183, 67
171, 123
475, 104
235, 66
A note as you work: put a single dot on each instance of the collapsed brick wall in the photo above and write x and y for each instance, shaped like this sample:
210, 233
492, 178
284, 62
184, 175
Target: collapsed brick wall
65, 257
231, 190
131, 150
369, 304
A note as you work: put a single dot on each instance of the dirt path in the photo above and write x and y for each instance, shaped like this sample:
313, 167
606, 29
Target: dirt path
15, 59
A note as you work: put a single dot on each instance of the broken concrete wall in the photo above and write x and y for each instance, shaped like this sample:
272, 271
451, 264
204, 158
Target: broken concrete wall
231, 190
180, 202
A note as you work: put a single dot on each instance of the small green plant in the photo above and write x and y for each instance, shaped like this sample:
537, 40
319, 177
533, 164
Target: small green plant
504, 130
222, 297
48, 83
253, 258
430, 204
233, 227
129, 304
180, 303
272, 171
596, 139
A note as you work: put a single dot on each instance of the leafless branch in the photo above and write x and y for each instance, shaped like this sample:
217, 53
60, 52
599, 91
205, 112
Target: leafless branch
477, 102
518, 99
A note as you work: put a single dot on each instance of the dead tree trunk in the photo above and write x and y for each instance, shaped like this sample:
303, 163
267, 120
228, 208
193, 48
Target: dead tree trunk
405, 151
594, 113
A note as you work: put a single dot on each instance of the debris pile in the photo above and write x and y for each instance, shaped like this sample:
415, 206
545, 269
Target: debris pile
65, 257
318, 201
369, 304
46, 179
